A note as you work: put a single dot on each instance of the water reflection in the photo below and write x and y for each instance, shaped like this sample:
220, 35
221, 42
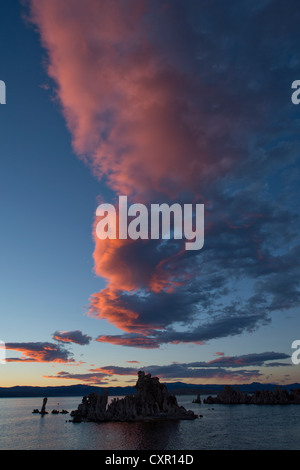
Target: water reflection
224, 427
156, 435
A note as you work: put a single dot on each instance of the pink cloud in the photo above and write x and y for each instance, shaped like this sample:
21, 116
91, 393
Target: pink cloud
146, 119
135, 117
39, 352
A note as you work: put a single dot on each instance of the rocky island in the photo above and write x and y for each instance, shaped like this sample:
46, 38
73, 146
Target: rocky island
44, 412
231, 396
151, 401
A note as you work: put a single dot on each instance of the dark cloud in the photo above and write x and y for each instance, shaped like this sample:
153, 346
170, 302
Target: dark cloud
181, 371
116, 370
133, 340
254, 359
90, 378
227, 324
71, 337
173, 371
227, 368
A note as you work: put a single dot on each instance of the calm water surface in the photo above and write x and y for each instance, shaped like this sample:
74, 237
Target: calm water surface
221, 427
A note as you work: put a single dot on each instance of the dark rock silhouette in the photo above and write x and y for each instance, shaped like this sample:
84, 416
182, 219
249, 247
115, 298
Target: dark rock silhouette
231, 396
56, 412
197, 400
152, 401
43, 409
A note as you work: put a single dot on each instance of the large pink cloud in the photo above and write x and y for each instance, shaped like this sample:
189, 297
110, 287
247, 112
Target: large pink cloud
157, 108
135, 114
132, 117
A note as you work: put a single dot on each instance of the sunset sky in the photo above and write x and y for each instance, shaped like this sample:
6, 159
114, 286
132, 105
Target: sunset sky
162, 101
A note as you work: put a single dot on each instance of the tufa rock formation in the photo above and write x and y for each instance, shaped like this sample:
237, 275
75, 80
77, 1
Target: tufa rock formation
197, 400
56, 412
43, 410
152, 401
230, 396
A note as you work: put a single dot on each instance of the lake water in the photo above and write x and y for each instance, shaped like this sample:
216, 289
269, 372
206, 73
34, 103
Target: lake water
222, 427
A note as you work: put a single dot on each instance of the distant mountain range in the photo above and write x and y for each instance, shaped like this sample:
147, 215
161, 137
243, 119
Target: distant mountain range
177, 388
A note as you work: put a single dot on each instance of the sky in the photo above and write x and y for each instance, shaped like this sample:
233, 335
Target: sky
163, 102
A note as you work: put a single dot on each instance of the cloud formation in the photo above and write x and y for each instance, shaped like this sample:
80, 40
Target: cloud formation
89, 378
164, 105
233, 368
71, 337
39, 352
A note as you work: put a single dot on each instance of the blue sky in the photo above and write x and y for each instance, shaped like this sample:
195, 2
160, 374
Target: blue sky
49, 196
